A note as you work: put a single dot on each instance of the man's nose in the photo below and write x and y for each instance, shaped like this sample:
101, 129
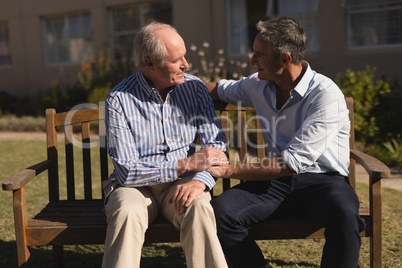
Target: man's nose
185, 63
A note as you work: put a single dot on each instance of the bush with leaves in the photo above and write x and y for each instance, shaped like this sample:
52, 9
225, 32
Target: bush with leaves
394, 155
377, 112
99, 76
95, 79
368, 93
64, 96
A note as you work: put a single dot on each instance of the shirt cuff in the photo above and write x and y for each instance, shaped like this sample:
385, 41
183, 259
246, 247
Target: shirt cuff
206, 178
169, 171
292, 162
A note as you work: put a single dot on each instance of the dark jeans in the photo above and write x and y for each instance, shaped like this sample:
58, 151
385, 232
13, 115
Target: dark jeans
328, 200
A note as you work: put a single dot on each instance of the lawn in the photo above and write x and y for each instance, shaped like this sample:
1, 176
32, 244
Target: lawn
16, 155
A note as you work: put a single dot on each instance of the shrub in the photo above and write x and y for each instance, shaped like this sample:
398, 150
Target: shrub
95, 79
99, 76
371, 103
24, 123
394, 152
63, 97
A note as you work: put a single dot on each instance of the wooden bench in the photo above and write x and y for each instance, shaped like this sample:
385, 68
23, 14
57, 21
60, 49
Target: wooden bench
76, 220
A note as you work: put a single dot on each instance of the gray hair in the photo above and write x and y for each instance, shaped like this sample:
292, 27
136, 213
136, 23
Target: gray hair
147, 44
284, 34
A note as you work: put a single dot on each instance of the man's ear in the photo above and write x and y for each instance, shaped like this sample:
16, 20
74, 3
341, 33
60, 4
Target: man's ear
149, 63
286, 59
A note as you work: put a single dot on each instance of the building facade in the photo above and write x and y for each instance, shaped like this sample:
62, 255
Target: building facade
42, 41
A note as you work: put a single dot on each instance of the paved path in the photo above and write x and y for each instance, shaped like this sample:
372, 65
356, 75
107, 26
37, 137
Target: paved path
394, 182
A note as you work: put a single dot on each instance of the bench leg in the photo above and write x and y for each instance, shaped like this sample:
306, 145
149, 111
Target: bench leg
376, 251
58, 255
21, 223
376, 212
23, 256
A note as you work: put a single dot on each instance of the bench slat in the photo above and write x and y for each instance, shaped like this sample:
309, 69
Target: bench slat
68, 137
86, 157
94, 229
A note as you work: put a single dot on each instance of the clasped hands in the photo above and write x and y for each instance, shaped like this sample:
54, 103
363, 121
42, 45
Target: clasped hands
209, 158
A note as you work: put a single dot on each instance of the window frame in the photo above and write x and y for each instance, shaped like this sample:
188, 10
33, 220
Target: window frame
230, 37
88, 36
7, 42
300, 16
112, 33
367, 9
311, 15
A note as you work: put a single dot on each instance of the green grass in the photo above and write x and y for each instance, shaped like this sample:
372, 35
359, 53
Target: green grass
16, 155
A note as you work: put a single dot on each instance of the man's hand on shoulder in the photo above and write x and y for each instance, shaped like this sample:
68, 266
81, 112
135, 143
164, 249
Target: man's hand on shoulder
213, 90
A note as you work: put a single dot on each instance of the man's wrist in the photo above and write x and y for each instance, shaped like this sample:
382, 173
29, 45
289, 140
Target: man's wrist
183, 166
206, 179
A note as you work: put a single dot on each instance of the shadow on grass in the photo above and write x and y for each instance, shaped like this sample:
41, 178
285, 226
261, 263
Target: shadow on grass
281, 263
8, 254
167, 255
90, 256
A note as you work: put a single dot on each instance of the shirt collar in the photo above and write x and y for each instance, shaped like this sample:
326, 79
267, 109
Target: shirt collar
144, 84
147, 88
303, 86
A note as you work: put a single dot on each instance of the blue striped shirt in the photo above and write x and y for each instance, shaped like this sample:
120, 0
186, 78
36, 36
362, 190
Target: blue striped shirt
147, 136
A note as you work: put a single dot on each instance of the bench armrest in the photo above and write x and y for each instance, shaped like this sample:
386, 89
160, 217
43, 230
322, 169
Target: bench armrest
21, 178
374, 167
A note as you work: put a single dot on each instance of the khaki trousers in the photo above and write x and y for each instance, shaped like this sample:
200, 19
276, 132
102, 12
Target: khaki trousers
129, 211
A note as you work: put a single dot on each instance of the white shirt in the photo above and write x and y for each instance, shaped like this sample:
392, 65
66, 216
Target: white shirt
310, 131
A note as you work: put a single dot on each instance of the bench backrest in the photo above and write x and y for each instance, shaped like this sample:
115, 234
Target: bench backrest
77, 186
89, 147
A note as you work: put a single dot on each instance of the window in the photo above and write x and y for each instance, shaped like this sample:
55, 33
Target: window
373, 24
239, 42
5, 53
67, 39
305, 12
243, 16
127, 21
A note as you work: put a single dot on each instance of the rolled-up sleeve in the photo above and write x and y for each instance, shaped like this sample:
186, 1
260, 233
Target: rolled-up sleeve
236, 91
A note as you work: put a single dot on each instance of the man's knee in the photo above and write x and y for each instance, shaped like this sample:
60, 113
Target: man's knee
130, 214
346, 215
199, 213
124, 211
201, 204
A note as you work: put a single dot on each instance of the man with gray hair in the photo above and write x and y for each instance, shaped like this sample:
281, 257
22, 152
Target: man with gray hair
306, 132
152, 119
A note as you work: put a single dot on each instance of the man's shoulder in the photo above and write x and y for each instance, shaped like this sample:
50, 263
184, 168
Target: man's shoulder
326, 84
189, 78
125, 85
246, 80
192, 82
